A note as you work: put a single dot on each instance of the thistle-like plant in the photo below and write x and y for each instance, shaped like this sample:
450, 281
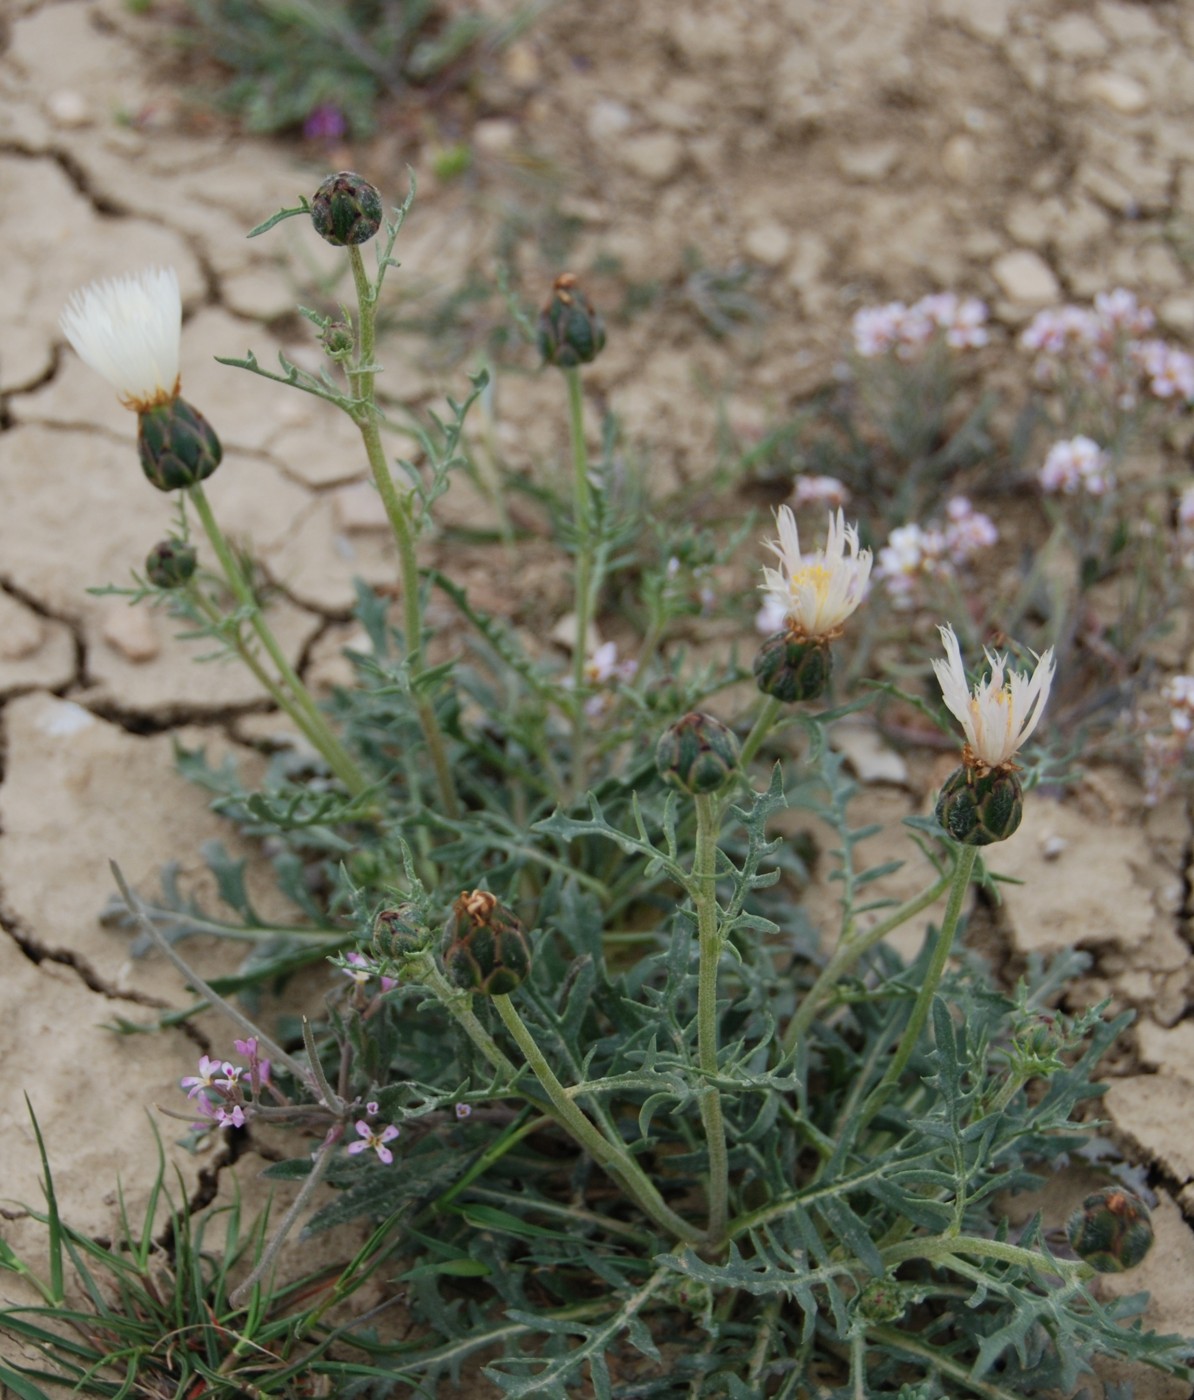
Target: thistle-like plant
621, 1117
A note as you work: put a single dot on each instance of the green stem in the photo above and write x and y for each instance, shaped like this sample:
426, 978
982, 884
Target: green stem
402, 524
924, 998
582, 510
459, 1005
848, 952
763, 725
316, 725
940, 1249
704, 896
613, 1158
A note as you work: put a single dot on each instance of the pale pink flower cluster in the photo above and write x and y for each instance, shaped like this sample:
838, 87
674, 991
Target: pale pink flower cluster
1106, 344
1076, 465
1170, 371
908, 329
825, 491
224, 1094
1163, 753
915, 554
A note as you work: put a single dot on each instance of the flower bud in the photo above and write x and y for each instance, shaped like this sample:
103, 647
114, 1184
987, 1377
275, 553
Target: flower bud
882, 1300
399, 932
979, 807
337, 339
570, 332
485, 946
177, 445
792, 668
698, 754
1111, 1230
170, 564
346, 209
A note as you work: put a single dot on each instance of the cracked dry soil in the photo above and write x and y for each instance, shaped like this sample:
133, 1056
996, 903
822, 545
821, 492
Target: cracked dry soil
1026, 151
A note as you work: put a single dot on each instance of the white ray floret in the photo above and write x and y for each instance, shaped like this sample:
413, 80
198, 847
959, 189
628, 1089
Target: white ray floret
820, 589
128, 329
1002, 711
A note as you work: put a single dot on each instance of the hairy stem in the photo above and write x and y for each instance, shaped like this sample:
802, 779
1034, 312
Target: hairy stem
612, 1157
402, 523
847, 953
582, 511
316, 726
704, 895
924, 998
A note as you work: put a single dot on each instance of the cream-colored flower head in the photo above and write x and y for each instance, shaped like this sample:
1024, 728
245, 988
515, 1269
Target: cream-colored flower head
1001, 712
128, 330
818, 590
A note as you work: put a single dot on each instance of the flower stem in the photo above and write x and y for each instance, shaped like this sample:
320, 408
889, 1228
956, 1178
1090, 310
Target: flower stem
582, 510
402, 524
613, 1158
763, 725
924, 998
704, 896
314, 724
847, 953
459, 1005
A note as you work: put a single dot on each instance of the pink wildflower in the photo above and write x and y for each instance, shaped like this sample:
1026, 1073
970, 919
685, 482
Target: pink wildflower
377, 1141
967, 530
1076, 464
205, 1079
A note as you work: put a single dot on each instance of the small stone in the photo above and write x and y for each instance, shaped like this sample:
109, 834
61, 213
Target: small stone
1076, 37
1117, 91
869, 164
808, 261
68, 109
1025, 277
359, 509
1177, 314
872, 760
655, 155
521, 65
985, 19
495, 136
608, 119
1052, 846
21, 632
130, 631
959, 158
767, 243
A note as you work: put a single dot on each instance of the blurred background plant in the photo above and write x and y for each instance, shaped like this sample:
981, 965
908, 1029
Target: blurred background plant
326, 68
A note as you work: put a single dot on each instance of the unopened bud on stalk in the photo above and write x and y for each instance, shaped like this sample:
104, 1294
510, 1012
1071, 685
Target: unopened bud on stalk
170, 564
177, 445
485, 946
399, 931
337, 339
346, 209
571, 333
793, 668
980, 806
1111, 1230
698, 754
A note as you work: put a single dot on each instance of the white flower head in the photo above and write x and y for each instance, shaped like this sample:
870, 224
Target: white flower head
1002, 711
819, 590
128, 329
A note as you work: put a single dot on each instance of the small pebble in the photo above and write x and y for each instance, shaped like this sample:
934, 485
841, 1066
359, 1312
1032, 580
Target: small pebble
130, 631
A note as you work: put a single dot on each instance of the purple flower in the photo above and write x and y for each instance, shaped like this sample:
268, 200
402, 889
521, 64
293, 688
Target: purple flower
205, 1079
325, 123
463, 1110
377, 1141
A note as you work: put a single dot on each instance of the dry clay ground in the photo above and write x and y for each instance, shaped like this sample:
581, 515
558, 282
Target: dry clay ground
850, 152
